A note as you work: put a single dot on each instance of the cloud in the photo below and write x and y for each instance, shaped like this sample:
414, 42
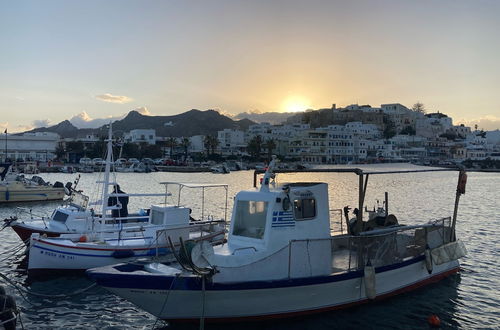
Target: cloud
121, 99
143, 111
23, 128
224, 113
83, 120
40, 123
487, 123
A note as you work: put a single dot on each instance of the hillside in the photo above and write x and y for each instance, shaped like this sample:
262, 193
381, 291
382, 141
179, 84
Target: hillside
65, 129
193, 122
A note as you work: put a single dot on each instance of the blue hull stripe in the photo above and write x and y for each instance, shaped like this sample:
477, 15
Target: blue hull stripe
121, 276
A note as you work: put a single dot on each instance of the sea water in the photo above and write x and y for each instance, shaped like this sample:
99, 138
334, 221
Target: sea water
467, 300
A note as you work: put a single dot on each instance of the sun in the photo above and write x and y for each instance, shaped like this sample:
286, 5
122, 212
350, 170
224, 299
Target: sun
295, 104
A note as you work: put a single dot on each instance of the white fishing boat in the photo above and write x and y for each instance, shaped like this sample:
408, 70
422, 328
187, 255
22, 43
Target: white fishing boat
87, 238
281, 259
77, 216
78, 252
18, 188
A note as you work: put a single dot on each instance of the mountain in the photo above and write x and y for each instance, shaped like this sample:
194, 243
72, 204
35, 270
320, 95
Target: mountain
65, 129
274, 118
193, 122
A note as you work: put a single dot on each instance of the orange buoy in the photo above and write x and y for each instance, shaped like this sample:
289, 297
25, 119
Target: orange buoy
434, 321
82, 239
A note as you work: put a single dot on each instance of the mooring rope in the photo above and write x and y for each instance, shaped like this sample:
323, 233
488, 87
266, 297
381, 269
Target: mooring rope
12, 252
166, 299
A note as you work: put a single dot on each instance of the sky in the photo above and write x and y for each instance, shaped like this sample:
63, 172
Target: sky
100, 59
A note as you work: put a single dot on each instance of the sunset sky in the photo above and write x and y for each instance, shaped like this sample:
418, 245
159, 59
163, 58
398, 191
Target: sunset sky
59, 59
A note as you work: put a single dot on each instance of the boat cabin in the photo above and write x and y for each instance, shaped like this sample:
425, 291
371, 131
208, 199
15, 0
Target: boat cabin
263, 224
268, 220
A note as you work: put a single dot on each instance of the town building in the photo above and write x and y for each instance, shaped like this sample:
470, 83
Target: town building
40, 146
141, 136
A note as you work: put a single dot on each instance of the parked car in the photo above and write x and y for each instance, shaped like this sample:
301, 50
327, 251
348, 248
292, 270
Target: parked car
120, 161
147, 161
98, 161
133, 161
159, 161
85, 161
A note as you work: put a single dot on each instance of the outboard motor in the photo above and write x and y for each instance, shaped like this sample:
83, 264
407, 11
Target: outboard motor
58, 184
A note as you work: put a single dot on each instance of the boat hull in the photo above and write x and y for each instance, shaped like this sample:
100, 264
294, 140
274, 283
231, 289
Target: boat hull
48, 256
264, 300
30, 194
24, 231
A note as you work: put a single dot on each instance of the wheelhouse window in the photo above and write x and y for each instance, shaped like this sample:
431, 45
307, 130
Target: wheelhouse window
156, 217
60, 217
250, 219
304, 209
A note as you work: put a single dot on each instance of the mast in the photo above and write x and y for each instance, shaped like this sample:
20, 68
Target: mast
105, 192
268, 175
5, 145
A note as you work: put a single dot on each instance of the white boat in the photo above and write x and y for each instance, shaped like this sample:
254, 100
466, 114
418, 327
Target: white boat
78, 252
220, 169
281, 260
17, 188
87, 238
68, 169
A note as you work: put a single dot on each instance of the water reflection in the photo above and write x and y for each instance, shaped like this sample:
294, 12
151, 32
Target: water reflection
467, 300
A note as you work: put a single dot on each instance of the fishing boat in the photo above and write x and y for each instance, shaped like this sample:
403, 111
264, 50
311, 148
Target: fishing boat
78, 252
282, 260
88, 237
18, 188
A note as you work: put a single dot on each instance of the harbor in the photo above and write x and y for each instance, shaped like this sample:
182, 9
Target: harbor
456, 300
249, 165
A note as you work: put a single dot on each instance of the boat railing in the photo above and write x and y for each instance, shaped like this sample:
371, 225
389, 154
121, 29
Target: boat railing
206, 190
380, 248
201, 228
33, 216
337, 220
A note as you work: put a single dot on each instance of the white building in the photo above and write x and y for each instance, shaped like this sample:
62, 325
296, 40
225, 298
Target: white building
141, 136
432, 125
262, 129
310, 146
230, 138
39, 146
401, 116
231, 141
197, 143
461, 131
288, 130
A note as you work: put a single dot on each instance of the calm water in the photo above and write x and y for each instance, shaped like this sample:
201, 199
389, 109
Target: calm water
467, 300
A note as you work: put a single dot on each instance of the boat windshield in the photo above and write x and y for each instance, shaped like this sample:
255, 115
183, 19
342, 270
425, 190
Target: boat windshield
250, 219
60, 216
